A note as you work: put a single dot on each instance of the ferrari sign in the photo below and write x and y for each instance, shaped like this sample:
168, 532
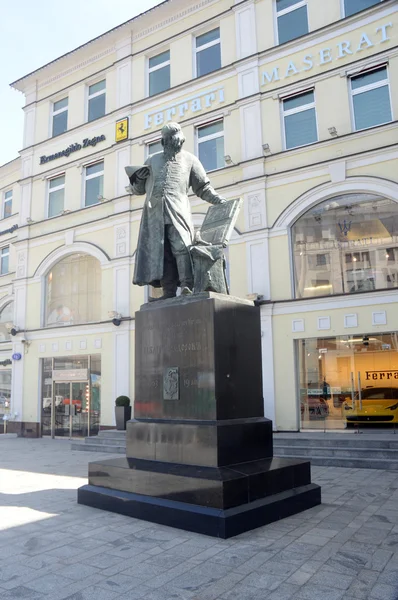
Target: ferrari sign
122, 129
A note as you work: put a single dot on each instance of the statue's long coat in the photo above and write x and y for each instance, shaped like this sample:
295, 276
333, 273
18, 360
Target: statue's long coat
166, 187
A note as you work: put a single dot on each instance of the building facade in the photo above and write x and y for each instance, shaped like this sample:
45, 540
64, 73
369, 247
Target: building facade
290, 104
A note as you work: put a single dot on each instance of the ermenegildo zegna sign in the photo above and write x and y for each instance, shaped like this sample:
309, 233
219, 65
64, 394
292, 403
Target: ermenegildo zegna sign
327, 55
73, 148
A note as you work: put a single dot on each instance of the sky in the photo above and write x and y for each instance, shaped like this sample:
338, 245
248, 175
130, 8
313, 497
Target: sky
34, 32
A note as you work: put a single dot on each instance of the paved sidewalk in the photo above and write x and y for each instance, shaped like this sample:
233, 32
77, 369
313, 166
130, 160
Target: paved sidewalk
52, 548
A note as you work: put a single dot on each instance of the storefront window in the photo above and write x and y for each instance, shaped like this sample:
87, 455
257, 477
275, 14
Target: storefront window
348, 381
73, 291
5, 391
346, 244
6, 318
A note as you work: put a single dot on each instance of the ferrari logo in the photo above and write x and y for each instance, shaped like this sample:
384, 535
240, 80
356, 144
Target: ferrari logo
122, 129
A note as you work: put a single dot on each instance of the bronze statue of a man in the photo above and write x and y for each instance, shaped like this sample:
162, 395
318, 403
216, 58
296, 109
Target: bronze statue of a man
166, 231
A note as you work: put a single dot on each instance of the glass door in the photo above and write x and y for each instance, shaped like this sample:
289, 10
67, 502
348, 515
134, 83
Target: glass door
60, 409
68, 412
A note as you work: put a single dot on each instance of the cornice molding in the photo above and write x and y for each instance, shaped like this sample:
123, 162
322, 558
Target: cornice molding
177, 17
77, 67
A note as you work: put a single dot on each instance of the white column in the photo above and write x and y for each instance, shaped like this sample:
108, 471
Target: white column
17, 382
257, 263
121, 367
267, 348
124, 83
245, 27
121, 179
251, 128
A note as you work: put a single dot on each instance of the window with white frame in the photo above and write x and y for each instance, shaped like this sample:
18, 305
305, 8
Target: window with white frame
94, 183
4, 257
351, 7
371, 103
159, 73
96, 100
7, 204
292, 19
154, 147
299, 120
210, 140
56, 194
208, 52
60, 117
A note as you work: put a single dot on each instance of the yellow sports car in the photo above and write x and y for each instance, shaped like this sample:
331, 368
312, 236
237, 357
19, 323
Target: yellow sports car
378, 405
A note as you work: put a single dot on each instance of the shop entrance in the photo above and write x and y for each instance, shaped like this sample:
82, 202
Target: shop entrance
71, 396
69, 414
349, 382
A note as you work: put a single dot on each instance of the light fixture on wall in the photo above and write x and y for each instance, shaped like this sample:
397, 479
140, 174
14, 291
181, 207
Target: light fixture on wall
333, 131
116, 317
266, 149
228, 160
255, 297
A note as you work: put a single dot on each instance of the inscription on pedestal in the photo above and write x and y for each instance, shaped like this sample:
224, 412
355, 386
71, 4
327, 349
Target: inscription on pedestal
175, 367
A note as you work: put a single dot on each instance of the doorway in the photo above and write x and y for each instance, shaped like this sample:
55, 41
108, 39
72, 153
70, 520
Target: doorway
70, 403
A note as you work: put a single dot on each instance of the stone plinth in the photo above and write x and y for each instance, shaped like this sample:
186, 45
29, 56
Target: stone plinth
199, 450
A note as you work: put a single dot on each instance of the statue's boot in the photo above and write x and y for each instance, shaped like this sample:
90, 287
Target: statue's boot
169, 291
184, 267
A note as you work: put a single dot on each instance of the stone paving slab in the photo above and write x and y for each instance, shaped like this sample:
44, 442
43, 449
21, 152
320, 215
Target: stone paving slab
52, 548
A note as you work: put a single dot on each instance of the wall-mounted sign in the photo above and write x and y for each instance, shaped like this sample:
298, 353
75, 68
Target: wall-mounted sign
16, 356
194, 104
70, 375
9, 230
73, 148
327, 55
122, 129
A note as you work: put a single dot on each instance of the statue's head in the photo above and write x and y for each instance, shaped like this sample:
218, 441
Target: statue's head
172, 137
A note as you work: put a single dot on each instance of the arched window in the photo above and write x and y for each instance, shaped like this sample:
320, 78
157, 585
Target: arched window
346, 244
73, 291
6, 317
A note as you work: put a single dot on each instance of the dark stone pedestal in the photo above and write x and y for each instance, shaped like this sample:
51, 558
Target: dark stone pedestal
199, 451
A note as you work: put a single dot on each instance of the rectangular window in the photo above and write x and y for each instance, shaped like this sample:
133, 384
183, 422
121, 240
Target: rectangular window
159, 73
4, 256
154, 147
371, 99
96, 100
56, 193
211, 145
7, 204
299, 120
292, 19
60, 116
94, 183
351, 7
208, 52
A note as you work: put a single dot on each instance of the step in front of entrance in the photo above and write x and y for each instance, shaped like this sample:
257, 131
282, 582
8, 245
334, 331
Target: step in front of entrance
368, 451
109, 441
